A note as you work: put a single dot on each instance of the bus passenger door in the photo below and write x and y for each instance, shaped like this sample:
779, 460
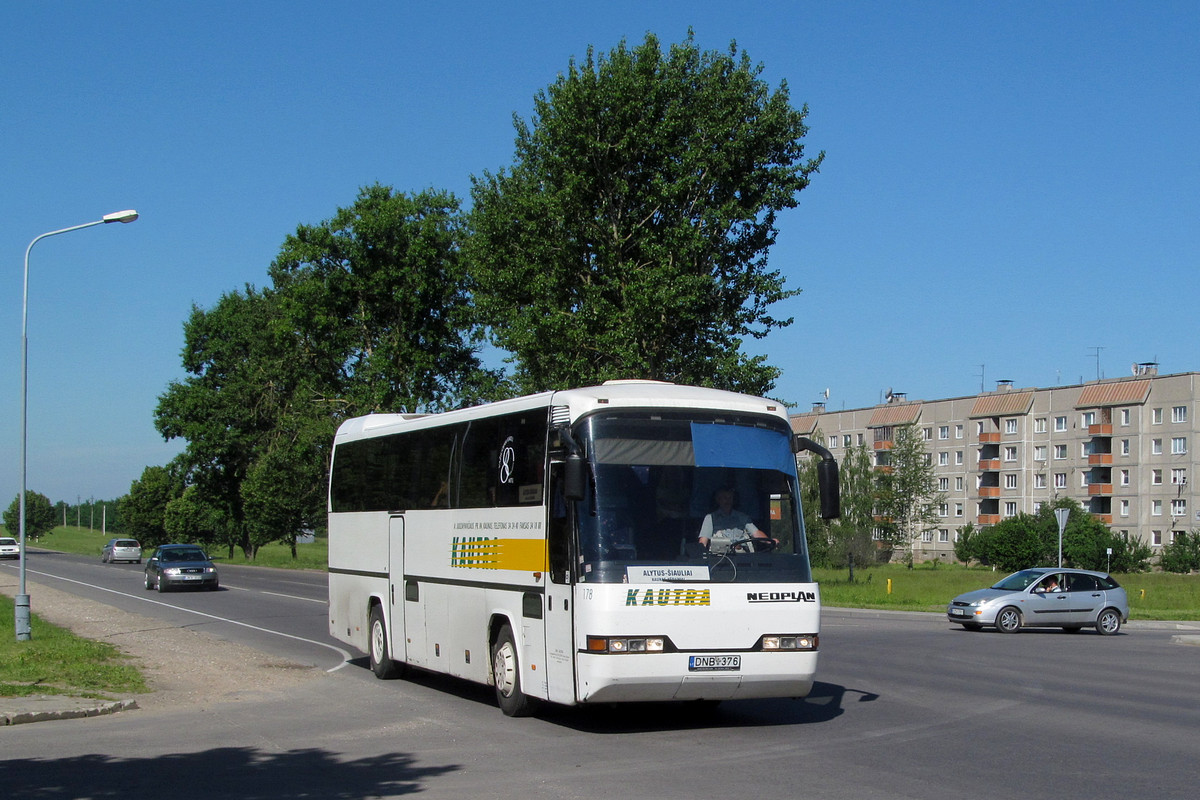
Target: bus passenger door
395, 604
560, 605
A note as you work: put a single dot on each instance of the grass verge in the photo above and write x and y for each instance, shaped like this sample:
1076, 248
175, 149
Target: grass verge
57, 661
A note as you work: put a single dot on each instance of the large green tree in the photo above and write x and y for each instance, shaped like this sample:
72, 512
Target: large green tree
377, 298
143, 508
40, 518
630, 236
367, 312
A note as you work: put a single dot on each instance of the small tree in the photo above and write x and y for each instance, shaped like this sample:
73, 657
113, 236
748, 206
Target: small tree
907, 498
143, 510
40, 518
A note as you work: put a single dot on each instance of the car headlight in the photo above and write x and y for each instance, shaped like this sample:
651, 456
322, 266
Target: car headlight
171, 571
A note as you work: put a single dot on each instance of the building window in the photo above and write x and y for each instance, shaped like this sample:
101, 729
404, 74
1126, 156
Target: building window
1125, 417
958, 509
1010, 454
944, 432
1124, 477
833, 440
958, 483
1010, 509
943, 459
1088, 418
1124, 447
958, 431
1060, 452
1010, 480
1179, 477
943, 510
1156, 538
943, 484
846, 440
1039, 452
927, 434
1178, 445
943, 535
1039, 425
1010, 425
1179, 507
1039, 480
958, 457
1060, 423
1156, 508
1060, 480
1179, 414
1156, 447
927, 536
1124, 508
1156, 477
1156, 416
979, 428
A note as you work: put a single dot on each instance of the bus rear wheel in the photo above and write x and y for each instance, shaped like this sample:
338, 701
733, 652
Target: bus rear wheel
377, 646
506, 674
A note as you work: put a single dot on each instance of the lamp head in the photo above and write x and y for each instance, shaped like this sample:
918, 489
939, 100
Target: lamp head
121, 216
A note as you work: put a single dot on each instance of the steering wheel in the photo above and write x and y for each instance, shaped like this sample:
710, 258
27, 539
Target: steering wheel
758, 544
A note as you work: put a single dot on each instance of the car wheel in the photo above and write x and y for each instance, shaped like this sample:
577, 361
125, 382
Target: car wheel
506, 673
377, 645
149, 583
158, 584
1008, 620
1109, 622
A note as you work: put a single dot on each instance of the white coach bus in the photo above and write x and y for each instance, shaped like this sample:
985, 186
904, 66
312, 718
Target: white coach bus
551, 546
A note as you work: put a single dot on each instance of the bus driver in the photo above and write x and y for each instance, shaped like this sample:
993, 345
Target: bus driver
726, 525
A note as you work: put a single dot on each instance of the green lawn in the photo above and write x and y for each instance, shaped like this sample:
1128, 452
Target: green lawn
56, 661
82, 541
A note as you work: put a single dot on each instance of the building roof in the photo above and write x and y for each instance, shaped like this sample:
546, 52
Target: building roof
1001, 404
805, 424
894, 414
1122, 393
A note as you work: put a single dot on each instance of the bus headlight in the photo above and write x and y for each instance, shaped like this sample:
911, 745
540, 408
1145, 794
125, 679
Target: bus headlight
790, 642
625, 644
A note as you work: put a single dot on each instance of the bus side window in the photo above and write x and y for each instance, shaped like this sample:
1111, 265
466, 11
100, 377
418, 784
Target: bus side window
558, 533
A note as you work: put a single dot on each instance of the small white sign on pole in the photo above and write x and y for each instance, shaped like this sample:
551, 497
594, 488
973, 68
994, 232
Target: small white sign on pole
1061, 515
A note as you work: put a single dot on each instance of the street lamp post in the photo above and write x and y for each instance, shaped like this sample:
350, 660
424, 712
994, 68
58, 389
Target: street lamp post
21, 622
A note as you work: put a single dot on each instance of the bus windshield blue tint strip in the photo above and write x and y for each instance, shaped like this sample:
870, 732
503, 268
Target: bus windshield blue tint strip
738, 446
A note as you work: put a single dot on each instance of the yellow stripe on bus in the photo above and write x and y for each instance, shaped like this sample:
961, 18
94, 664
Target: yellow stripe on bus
527, 555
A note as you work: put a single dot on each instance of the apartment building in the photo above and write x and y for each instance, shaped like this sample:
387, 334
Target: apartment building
1124, 448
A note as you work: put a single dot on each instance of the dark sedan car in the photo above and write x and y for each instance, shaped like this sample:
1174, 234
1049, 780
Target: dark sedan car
180, 565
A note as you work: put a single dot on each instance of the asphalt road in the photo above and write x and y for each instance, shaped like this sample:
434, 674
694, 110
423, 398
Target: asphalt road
907, 706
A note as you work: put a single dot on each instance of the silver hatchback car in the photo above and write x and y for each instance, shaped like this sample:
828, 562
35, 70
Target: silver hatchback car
1045, 597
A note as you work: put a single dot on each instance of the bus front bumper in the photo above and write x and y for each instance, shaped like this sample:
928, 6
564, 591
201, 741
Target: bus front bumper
646, 677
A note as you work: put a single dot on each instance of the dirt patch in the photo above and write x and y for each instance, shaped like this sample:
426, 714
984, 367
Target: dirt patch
181, 666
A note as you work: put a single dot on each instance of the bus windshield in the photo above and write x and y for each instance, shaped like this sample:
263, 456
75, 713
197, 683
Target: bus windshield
713, 497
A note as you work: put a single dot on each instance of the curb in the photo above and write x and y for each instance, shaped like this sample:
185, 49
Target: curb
40, 708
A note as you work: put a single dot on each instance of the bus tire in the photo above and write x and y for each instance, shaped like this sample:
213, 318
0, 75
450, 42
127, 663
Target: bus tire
377, 647
506, 674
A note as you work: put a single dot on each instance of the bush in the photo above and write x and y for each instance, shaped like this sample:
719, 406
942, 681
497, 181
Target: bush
1183, 554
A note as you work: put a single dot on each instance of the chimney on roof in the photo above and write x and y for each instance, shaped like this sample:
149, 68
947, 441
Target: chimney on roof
1004, 385
818, 407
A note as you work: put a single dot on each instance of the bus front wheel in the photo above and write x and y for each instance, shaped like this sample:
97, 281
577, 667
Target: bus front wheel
506, 674
381, 660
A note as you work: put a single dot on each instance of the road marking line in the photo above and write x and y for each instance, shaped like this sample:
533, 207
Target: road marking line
345, 655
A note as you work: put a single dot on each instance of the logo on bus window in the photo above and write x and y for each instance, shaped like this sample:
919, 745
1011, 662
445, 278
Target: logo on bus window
666, 597
508, 460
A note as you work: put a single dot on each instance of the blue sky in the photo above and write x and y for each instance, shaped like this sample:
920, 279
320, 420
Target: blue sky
1009, 188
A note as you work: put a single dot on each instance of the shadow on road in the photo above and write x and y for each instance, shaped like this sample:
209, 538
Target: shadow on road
234, 772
